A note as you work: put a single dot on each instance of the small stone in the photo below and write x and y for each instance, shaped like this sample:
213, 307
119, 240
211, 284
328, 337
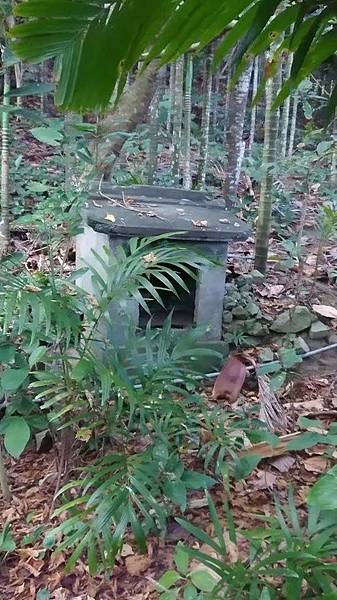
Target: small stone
332, 338
239, 312
257, 276
253, 309
243, 280
292, 322
227, 317
256, 328
229, 303
266, 355
301, 344
319, 331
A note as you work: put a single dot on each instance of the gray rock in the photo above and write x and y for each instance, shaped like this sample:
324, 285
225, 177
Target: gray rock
255, 328
292, 322
257, 276
227, 317
332, 338
229, 303
243, 280
239, 312
253, 309
319, 331
301, 344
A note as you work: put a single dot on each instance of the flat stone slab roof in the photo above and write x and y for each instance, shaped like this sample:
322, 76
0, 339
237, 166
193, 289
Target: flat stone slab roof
151, 210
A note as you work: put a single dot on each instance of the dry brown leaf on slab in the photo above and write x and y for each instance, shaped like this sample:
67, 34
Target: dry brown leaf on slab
137, 564
266, 450
325, 310
283, 463
316, 464
110, 217
200, 223
272, 290
265, 480
229, 382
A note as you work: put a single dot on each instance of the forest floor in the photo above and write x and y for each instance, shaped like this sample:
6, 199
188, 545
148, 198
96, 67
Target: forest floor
311, 391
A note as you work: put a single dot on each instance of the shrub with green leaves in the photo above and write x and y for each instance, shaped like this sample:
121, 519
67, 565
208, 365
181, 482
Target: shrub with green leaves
285, 559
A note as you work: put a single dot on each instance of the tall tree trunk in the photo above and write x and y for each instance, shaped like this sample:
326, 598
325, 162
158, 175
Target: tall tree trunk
205, 120
235, 144
226, 107
132, 110
171, 92
177, 119
187, 175
266, 190
154, 128
334, 153
215, 103
286, 110
253, 111
5, 215
293, 123
4, 486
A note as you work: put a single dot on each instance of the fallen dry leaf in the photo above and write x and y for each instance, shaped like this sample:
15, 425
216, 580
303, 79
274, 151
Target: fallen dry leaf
272, 290
283, 463
137, 564
224, 221
265, 480
126, 550
316, 464
110, 217
325, 310
150, 258
200, 223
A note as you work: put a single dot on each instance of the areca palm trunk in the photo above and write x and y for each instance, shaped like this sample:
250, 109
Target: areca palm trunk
293, 124
285, 112
177, 119
171, 91
253, 111
266, 189
235, 144
205, 120
187, 175
154, 128
4, 208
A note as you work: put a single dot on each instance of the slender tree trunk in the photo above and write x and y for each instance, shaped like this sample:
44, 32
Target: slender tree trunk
6, 493
286, 111
253, 111
171, 97
293, 124
334, 154
187, 174
154, 128
177, 119
227, 104
132, 110
205, 120
5, 216
215, 104
266, 190
235, 144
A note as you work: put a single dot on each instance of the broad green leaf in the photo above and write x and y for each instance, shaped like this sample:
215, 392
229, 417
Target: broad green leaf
37, 354
81, 369
12, 379
47, 135
277, 381
7, 353
244, 466
43, 594
306, 440
190, 592
17, 436
203, 580
38, 187
176, 491
170, 595
181, 559
197, 481
323, 494
169, 579
289, 357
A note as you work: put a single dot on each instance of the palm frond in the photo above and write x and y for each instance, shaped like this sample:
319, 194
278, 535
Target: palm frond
97, 43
